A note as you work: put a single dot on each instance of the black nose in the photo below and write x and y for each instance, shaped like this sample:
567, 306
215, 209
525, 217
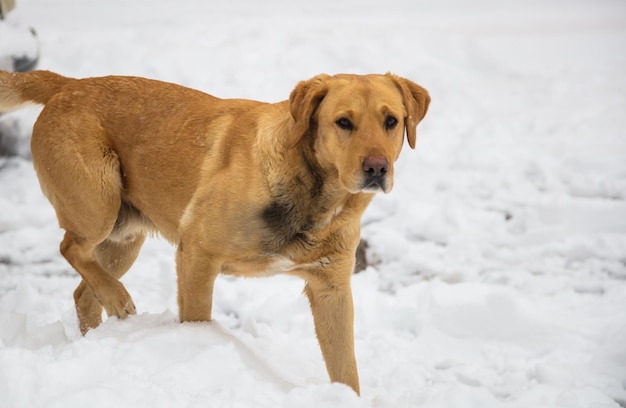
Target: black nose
375, 166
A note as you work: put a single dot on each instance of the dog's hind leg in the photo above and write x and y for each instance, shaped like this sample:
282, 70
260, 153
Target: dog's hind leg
80, 174
115, 258
108, 291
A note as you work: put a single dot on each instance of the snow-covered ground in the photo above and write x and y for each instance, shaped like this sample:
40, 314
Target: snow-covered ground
497, 272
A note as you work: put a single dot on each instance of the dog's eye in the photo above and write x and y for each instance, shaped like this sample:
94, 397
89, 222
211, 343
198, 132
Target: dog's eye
344, 123
390, 122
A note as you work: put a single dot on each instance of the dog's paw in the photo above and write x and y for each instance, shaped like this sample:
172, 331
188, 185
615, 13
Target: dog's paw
117, 302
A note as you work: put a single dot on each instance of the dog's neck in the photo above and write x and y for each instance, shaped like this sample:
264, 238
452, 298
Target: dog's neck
305, 198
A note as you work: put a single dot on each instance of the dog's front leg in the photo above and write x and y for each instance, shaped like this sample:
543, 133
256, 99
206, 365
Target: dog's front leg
196, 276
333, 314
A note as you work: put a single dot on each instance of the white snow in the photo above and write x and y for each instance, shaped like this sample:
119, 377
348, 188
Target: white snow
498, 274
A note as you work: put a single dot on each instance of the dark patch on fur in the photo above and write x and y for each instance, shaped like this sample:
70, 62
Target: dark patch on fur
277, 215
286, 225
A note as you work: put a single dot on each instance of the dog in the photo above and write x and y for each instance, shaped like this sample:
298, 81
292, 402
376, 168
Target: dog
241, 187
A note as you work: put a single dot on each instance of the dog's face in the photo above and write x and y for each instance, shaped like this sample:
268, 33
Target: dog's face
359, 124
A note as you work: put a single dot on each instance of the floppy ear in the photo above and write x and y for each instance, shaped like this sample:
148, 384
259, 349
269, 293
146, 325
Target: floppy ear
416, 101
303, 101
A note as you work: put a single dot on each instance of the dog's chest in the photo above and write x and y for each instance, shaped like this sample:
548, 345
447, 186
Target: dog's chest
288, 224
283, 224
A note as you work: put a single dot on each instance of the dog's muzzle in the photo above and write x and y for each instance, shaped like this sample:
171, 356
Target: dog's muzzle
375, 170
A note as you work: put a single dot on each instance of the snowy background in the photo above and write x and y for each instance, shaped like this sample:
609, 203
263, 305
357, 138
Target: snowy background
497, 273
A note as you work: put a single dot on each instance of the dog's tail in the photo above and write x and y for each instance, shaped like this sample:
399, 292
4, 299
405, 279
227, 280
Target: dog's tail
17, 89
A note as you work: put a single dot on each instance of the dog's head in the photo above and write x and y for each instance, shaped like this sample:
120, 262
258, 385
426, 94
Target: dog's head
359, 124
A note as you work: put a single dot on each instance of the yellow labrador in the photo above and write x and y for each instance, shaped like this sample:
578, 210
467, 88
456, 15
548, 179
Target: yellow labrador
241, 187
